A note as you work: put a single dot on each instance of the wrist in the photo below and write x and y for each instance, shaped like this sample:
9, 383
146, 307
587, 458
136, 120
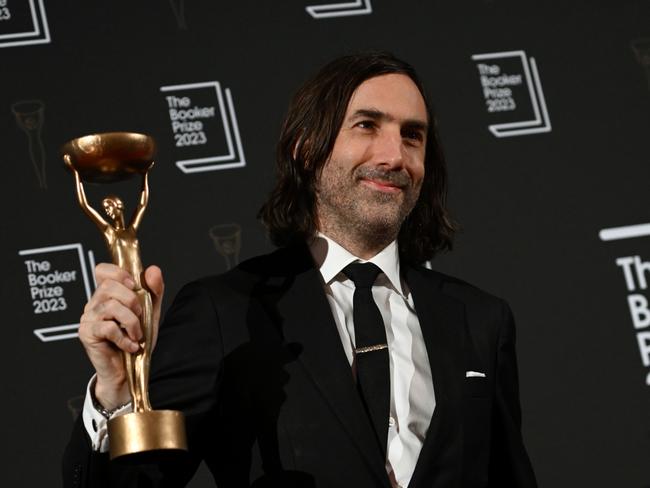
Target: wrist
108, 398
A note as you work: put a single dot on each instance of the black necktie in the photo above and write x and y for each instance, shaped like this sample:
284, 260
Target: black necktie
373, 370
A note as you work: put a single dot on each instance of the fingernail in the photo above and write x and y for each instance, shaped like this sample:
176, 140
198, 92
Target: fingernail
134, 347
129, 283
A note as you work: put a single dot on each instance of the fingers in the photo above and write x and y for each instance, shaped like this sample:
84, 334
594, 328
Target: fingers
115, 302
108, 271
115, 311
110, 289
107, 331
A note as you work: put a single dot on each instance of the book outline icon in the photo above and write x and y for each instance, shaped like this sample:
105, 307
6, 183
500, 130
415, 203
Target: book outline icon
234, 158
39, 34
64, 331
540, 122
341, 9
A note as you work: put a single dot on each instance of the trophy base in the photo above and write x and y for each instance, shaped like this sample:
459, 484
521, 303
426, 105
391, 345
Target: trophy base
152, 430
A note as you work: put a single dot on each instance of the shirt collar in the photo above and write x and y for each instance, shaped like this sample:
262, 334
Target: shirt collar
331, 258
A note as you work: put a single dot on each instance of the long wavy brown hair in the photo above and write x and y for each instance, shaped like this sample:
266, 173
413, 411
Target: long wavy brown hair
310, 128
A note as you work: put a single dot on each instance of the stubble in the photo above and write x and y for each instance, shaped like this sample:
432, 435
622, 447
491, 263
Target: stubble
358, 216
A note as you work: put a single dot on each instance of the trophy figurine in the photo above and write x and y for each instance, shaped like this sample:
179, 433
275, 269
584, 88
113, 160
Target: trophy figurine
109, 158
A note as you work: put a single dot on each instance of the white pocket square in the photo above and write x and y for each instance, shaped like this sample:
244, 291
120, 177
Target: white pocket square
474, 374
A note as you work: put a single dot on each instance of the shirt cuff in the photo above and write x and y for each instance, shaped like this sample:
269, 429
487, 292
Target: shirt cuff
95, 423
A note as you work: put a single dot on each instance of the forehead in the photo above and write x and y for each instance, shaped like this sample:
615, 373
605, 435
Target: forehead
393, 94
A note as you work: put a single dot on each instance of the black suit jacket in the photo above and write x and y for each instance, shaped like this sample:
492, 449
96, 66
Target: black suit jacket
254, 360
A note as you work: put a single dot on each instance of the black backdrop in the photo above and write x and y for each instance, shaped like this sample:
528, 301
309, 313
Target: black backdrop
532, 197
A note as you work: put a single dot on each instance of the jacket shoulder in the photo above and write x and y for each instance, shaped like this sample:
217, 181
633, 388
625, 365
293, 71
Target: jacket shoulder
462, 290
268, 269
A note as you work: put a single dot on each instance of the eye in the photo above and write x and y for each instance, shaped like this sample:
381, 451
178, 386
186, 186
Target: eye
413, 135
366, 124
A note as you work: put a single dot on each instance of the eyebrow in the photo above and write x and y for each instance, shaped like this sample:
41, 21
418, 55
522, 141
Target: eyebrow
375, 114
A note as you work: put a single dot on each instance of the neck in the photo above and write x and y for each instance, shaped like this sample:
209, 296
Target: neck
118, 223
363, 244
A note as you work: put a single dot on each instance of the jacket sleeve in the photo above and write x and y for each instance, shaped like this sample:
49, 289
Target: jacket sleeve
509, 462
185, 375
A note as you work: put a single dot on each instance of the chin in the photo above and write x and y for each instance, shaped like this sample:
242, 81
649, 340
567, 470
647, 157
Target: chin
382, 224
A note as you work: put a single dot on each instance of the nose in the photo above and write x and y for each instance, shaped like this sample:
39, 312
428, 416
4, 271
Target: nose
389, 150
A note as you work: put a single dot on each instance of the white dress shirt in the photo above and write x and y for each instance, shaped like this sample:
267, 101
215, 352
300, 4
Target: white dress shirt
95, 423
412, 396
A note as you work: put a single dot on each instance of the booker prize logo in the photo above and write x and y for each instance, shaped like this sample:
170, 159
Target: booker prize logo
635, 272
513, 94
22, 23
340, 9
204, 127
57, 287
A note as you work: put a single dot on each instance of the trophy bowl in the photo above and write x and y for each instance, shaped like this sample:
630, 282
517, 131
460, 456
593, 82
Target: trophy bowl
110, 157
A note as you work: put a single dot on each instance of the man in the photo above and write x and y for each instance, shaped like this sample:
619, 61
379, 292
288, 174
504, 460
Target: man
305, 367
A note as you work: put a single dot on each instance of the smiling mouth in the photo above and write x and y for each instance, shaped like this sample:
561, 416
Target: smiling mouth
381, 185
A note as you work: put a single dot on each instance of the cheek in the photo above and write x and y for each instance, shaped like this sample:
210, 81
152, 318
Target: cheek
335, 168
416, 169
349, 151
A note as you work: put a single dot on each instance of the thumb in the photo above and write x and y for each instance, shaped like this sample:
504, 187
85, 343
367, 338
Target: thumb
154, 280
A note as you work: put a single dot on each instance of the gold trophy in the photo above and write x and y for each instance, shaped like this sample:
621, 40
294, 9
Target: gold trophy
109, 158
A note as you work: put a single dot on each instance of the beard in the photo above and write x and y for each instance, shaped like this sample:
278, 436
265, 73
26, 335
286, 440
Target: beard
350, 208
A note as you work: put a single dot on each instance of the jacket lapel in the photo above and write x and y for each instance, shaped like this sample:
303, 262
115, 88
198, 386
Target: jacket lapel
442, 320
307, 321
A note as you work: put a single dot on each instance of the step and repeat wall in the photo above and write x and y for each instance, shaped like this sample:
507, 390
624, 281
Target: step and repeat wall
544, 113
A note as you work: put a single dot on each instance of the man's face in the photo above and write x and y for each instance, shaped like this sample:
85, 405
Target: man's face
372, 179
